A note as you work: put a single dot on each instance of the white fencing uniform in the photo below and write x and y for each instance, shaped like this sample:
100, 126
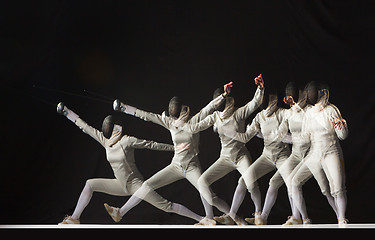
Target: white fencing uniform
274, 152
325, 152
185, 162
301, 146
120, 155
233, 154
325, 159
293, 123
274, 155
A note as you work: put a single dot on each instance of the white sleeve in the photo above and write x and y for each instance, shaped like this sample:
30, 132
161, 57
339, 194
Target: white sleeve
208, 109
141, 143
245, 111
92, 132
161, 120
199, 126
251, 130
335, 115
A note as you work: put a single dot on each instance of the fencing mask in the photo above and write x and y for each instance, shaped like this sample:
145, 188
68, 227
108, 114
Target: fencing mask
111, 126
291, 89
174, 107
312, 92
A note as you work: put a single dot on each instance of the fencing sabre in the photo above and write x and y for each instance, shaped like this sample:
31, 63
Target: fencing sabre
103, 99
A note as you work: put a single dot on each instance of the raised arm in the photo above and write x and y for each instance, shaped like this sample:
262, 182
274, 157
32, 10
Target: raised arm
251, 130
245, 111
141, 143
147, 116
92, 132
199, 126
208, 109
212, 106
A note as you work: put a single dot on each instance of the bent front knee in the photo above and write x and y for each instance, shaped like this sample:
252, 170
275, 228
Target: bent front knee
252, 188
338, 192
90, 185
202, 183
275, 184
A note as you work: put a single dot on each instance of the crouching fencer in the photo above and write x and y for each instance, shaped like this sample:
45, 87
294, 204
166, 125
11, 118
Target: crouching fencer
120, 155
185, 162
234, 154
324, 126
274, 155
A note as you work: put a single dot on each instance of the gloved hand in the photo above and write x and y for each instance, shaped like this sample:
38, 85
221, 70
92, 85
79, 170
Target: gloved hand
259, 81
63, 110
338, 123
119, 106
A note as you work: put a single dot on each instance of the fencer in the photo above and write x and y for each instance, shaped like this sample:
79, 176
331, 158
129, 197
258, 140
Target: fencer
185, 162
290, 131
300, 149
234, 154
120, 155
324, 126
274, 155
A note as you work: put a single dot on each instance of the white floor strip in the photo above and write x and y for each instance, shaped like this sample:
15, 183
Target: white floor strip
129, 226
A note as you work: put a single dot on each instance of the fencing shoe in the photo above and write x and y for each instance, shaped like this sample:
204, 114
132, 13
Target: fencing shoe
292, 221
206, 221
113, 212
307, 221
69, 220
342, 222
224, 219
257, 219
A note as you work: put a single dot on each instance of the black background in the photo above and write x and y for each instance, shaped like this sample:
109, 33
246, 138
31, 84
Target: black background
145, 52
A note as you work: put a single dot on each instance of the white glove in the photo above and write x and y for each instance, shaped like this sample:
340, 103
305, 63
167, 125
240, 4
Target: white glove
63, 110
119, 106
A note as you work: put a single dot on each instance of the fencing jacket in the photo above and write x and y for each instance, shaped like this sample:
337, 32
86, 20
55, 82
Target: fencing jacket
230, 148
317, 127
293, 122
183, 156
268, 126
120, 154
